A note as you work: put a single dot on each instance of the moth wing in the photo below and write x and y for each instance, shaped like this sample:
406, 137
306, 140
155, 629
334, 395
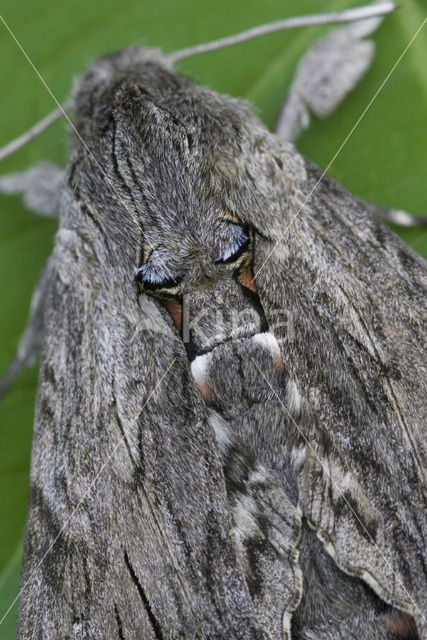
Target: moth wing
127, 527
346, 298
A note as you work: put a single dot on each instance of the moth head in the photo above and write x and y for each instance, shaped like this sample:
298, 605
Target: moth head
192, 176
189, 261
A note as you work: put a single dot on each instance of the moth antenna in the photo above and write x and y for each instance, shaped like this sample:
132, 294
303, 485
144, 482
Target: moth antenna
349, 15
38, 128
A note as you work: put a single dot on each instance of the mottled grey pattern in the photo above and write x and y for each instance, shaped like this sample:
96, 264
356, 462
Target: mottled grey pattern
356, 299
252, 483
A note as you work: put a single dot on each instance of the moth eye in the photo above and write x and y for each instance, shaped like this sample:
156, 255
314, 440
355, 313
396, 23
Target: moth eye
239, 244
153, 280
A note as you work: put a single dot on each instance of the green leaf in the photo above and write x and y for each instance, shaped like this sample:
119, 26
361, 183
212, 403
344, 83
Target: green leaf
383, 161
9, 588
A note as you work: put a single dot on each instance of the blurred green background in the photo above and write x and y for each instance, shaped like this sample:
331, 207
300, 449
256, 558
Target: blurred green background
384, 161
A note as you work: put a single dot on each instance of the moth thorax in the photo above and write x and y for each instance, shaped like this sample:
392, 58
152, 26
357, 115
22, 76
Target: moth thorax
227, 312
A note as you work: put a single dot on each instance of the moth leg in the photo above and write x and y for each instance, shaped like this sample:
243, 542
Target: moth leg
40, 187
30, 340
396, 216
327, 72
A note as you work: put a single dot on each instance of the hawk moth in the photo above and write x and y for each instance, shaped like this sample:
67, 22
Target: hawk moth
205, 525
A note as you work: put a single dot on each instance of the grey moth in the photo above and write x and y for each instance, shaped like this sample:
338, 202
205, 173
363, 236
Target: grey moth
229, 436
